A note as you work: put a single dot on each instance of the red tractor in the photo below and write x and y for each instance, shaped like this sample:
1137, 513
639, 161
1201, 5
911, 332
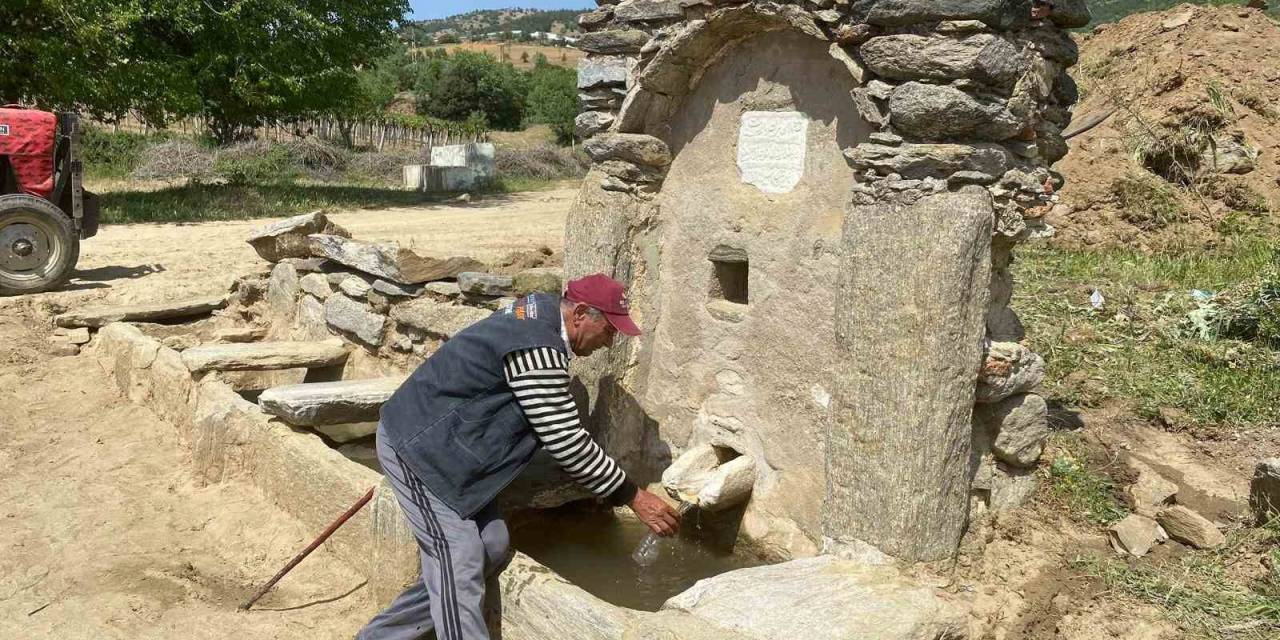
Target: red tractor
44, 209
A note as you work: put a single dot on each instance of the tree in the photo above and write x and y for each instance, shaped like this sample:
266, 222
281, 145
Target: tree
239, 63
553, 98
256, 60
374, 90
468, 82
101, 57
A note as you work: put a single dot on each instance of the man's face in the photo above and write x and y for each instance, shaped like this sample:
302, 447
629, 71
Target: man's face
588, 331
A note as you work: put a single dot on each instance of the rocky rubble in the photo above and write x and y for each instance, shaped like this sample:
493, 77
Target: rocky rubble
385, 301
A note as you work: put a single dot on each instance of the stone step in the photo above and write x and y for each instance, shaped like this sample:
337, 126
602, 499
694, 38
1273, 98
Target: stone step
264, 356
97, 317
315, 404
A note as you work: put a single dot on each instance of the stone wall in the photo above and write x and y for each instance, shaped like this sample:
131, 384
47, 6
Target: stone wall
816, 205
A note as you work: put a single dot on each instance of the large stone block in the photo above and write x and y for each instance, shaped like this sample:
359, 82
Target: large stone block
602, 71
538, 280
984, 57
264, 356
1018, 426
613, 42
354, 318
1264, 490
1008, 368
537, 603
1070, 14
916, 161
1135, 535
935, 112
589, 123
821, 598
283, 289
648, 10
154, 312
909, 357
629, 147
288, 238
324, 403
389, 260
1002, 14
484, 284
1188, 527
438, 319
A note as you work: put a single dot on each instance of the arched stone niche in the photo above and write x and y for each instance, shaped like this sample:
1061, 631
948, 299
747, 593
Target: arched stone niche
743, 299
815, 211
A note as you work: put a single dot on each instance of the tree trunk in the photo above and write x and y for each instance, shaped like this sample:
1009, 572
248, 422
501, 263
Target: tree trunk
909, 325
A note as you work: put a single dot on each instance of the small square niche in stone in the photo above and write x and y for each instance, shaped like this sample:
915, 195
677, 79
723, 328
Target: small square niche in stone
729, 277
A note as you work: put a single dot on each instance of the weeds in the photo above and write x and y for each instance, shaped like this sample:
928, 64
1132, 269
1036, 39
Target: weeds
1134, 348
1088, 496
542, 162
1146, 202
1201, 591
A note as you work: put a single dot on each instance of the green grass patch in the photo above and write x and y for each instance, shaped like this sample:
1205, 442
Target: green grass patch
206, 202
199, 202
1087, 495
1203, 592
1137, 346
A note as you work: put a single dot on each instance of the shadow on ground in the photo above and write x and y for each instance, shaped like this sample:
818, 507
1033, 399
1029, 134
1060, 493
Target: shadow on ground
211, 202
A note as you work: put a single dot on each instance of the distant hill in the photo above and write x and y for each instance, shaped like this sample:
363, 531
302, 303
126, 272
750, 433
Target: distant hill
1113, 10
475, 24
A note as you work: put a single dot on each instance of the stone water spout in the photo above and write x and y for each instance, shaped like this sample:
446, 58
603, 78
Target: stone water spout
710, 477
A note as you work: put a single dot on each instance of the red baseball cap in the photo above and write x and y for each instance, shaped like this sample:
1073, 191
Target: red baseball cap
606, 294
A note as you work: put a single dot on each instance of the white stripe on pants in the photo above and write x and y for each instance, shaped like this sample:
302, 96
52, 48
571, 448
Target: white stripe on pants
459, 556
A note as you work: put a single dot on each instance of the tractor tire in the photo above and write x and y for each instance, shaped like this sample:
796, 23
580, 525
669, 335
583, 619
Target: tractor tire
39, 245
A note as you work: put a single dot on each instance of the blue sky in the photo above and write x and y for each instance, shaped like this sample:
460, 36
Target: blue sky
428, 9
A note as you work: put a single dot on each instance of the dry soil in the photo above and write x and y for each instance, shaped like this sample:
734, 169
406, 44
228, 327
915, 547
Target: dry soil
104, 531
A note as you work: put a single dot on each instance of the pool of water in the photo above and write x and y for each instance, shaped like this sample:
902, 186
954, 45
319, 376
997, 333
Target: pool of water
592, 547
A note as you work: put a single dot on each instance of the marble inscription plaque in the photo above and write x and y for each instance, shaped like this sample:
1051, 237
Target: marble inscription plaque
771, 147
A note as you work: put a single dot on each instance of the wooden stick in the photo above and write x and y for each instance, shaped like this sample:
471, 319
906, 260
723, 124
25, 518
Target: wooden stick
311, 547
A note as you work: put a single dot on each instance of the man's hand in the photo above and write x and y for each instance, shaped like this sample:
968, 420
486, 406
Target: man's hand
655, 513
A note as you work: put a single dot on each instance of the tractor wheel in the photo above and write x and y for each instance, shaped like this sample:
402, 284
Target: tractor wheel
38, 245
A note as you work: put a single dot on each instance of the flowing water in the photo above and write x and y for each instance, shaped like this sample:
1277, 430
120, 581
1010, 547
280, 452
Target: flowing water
592, 549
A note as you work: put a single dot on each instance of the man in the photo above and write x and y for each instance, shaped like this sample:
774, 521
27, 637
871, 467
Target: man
467, 422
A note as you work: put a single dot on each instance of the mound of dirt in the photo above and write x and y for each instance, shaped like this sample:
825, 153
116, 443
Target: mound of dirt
1192, 150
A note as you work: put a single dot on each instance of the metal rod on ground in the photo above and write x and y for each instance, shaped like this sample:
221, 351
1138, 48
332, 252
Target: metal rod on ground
311, 547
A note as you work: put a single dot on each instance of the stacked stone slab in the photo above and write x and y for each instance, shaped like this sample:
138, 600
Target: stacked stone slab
940, 146
391, 306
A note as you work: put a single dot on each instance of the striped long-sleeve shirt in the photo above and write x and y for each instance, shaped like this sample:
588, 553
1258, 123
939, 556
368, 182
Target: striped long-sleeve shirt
539, 378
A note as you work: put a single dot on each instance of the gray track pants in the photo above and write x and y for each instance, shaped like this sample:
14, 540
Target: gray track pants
460, 557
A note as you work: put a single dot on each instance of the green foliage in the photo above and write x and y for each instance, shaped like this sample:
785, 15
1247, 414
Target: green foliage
1202, 591
252, 163
553, 98
1088, 496
101, 57
1250, 312
200, 202
467, 83
1134, 349
108, 154
238, 63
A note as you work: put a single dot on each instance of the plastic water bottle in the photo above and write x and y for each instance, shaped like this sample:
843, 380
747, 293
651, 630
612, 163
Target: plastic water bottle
647, 551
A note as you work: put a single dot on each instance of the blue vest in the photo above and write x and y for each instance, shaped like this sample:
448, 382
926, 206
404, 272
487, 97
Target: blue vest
455, 421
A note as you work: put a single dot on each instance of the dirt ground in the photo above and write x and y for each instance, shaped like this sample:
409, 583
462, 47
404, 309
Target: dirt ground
104, 532
1160, 71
